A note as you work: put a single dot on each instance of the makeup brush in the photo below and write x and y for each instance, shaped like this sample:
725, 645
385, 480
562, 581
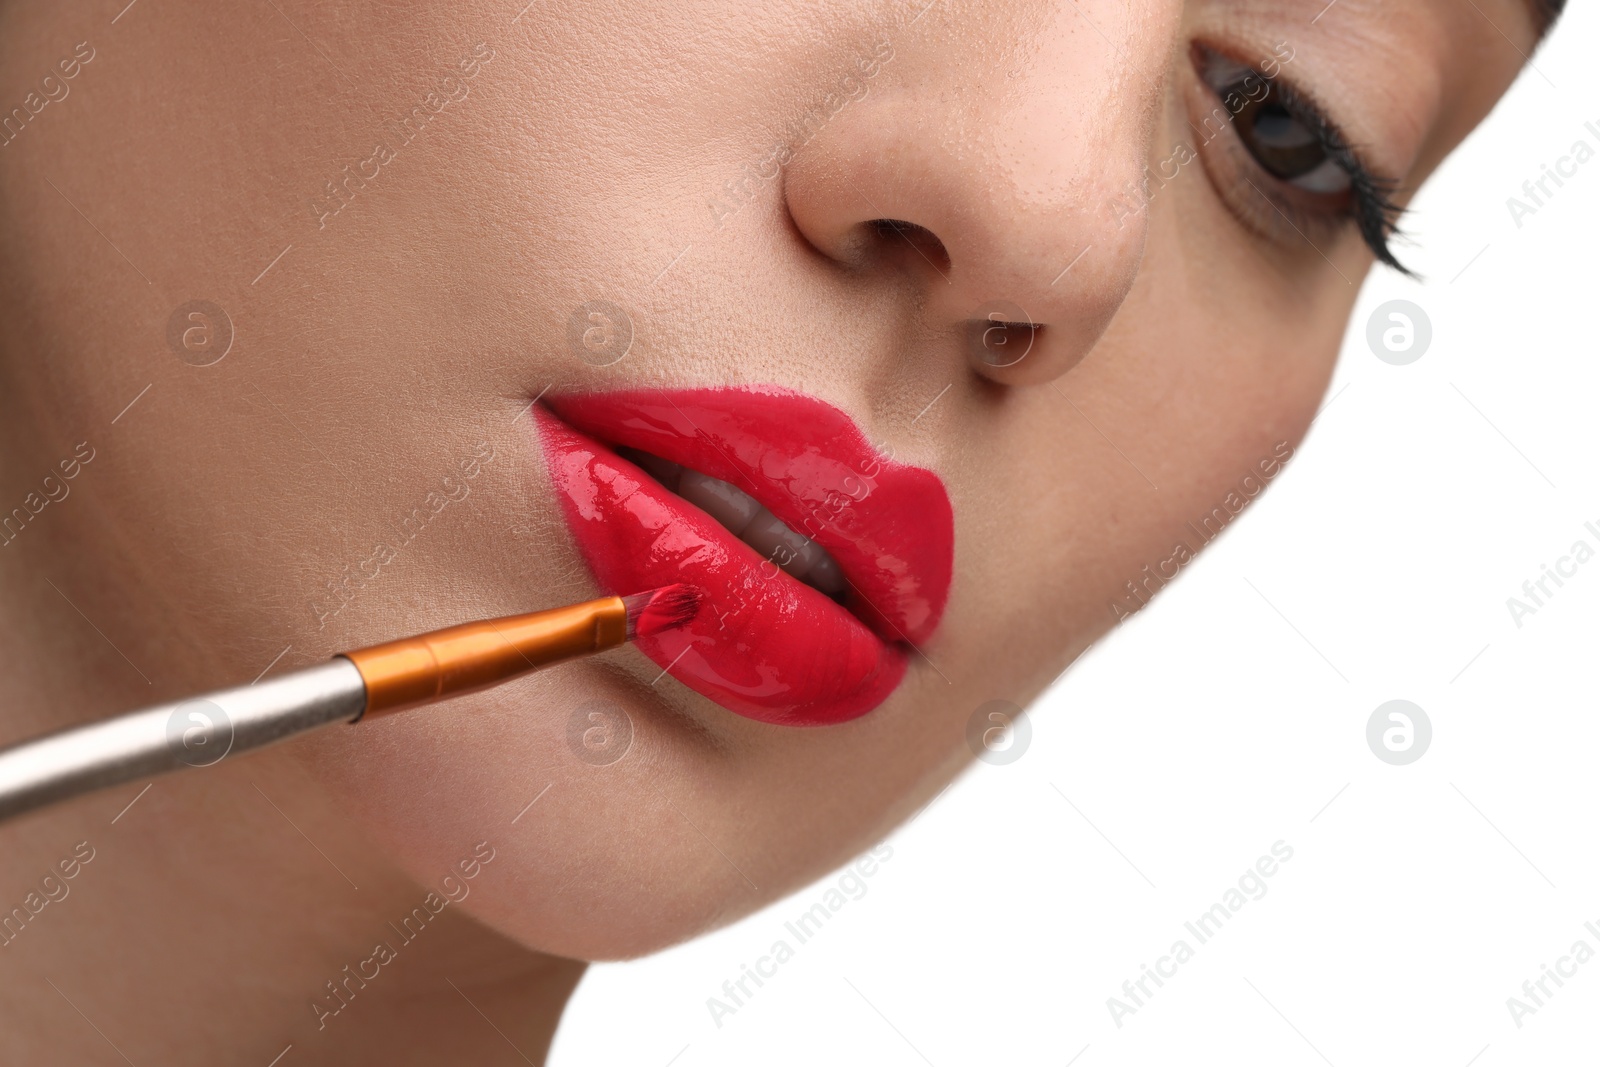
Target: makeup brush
352, 687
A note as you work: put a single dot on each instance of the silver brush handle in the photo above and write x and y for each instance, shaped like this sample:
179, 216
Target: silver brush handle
196, 732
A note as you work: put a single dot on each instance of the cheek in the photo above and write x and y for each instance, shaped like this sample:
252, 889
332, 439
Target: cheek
1083, 500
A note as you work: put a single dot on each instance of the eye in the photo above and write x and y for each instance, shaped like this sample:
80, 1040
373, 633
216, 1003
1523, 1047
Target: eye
1306, 172
1287, 142
1286, 146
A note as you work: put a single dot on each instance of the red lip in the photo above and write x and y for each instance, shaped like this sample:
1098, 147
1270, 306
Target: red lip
764, 645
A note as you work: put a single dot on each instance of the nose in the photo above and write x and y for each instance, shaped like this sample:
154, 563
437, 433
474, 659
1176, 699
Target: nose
1009, 190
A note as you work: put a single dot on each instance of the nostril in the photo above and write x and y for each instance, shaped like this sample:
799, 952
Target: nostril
897, 233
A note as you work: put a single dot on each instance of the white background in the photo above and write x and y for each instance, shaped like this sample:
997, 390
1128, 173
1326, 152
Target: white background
1233, 714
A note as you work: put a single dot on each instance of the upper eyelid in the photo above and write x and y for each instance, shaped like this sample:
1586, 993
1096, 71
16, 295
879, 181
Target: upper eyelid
1372, 209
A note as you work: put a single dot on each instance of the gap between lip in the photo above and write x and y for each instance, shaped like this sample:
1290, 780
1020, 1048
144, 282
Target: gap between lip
628, 452
852, 603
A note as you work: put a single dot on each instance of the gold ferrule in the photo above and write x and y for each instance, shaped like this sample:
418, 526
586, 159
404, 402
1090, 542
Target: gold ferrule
475, 655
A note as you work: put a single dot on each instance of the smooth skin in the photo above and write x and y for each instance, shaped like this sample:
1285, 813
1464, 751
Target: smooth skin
382, 351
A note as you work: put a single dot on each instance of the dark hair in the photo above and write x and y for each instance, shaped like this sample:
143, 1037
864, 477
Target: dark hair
1545, 13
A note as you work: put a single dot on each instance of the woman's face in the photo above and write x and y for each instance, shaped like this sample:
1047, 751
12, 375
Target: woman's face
331, 254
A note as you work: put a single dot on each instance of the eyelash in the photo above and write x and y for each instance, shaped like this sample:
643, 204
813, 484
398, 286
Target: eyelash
1371, 205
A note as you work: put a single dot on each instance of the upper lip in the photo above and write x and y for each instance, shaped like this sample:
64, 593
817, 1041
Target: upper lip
887, 524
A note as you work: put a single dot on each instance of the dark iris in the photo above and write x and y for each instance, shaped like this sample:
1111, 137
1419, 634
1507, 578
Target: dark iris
1284, 145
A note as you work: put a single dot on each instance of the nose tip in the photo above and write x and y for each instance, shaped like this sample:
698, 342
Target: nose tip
1010, 236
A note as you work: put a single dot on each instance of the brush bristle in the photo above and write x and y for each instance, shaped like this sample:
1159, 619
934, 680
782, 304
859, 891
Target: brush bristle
657, 610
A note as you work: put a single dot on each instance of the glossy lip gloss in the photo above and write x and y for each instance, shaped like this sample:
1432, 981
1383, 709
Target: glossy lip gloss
763, 644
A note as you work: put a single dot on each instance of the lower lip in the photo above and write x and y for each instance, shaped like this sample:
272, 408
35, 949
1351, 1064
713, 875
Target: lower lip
762, 645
